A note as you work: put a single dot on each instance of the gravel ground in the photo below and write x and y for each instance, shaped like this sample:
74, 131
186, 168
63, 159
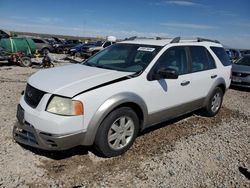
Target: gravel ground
191, 151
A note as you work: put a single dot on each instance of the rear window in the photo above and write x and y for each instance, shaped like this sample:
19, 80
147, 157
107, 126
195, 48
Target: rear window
222, 55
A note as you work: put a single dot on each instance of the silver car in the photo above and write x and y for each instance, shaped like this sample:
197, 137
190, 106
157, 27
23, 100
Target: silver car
241, 72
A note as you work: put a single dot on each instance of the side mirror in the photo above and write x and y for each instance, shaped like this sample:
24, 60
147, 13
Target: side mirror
166, 73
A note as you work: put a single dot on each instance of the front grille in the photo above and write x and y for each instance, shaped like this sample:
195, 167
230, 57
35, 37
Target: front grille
240, 74
26, 136
33, 96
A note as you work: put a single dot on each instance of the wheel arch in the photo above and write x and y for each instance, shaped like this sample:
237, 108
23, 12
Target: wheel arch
220, 82
117, 101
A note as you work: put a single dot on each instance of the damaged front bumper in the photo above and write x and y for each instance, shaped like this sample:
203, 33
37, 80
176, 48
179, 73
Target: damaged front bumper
25, 133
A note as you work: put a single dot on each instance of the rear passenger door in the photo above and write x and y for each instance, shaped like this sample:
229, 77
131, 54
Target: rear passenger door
202, 70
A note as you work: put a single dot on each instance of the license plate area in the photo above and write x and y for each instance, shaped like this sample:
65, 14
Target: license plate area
20, 114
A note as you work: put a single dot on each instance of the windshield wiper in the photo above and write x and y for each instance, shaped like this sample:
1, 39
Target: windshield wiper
103, 67
97, 65
89, 64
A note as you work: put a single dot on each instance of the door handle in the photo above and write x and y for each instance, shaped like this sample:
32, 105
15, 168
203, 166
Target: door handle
184, 83
214, 76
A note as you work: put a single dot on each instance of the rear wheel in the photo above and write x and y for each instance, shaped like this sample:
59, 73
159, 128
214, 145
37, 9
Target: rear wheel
117, 132
214, 103
45, 51
25, 62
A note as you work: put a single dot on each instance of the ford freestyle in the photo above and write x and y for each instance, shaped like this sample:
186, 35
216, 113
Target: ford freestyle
129, 86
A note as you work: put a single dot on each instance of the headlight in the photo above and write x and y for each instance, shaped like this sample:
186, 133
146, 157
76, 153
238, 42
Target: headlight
65, 106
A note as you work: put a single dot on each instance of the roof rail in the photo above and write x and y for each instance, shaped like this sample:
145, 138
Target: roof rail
198, 39
131, 38
207, 40
176, 40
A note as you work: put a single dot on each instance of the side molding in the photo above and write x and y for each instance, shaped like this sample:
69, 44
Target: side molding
107, 107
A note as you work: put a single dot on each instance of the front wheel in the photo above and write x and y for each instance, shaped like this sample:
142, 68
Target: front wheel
214, 104
117, 132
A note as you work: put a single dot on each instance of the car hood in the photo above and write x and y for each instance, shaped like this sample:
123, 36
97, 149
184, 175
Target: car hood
70, 80
241, 68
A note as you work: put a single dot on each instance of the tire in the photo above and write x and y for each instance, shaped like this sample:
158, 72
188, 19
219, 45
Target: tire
45, 51
25, 62
59, 50
117, 132
214, 103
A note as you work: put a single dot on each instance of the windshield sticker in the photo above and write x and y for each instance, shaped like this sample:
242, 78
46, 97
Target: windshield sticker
146, 49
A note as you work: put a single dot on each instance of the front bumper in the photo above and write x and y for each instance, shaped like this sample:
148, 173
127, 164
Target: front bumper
47, 131
25, 133
241, 81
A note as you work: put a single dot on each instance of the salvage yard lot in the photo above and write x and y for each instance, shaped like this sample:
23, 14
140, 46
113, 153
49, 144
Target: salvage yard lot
191, 151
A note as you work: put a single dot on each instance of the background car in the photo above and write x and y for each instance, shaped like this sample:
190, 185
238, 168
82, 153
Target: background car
93, 48
241, 72
76, 50
64, 46
3, 55
43, 46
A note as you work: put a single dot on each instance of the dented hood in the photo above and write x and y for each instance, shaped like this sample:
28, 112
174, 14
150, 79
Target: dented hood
70, 80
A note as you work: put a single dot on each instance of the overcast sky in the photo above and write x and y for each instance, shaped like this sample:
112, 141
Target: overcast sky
224, 20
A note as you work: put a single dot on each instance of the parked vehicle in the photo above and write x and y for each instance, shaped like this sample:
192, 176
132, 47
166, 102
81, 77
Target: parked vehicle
66, 45
107, 100
4, 55
43, 46
4, 34
19, 49
241, 72
92, 49
76, 50
234, 54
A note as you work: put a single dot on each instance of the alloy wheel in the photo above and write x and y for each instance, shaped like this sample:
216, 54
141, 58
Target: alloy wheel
121, 132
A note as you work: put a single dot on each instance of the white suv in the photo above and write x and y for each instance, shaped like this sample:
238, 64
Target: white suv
120, 91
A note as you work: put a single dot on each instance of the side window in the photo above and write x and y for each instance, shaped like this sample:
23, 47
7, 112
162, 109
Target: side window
222, 55
200, 59
106, 44
211, 60
174, 58
37, 41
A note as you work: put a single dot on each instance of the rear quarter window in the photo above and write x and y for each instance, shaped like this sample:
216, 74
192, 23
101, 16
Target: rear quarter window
222, 55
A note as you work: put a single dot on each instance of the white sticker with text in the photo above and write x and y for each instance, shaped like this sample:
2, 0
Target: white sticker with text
146, 49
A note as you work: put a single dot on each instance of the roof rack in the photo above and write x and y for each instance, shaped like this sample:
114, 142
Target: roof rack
207, 40
198, 39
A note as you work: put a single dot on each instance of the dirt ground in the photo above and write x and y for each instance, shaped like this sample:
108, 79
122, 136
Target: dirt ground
191, 151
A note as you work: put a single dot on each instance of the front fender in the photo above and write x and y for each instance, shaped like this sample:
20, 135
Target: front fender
108, 106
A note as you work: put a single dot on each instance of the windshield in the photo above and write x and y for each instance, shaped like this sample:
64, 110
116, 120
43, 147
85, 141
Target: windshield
243, 61
124, 57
